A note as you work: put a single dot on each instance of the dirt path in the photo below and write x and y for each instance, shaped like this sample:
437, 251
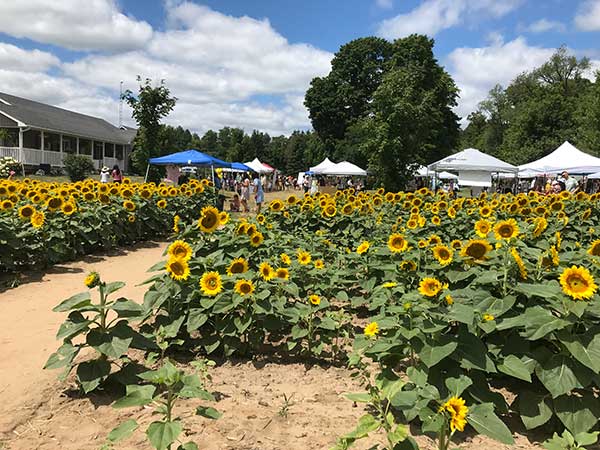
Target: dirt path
28, 326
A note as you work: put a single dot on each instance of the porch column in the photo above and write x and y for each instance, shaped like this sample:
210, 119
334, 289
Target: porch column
42, 141
60, 149
77, 144
103, 154
21, 146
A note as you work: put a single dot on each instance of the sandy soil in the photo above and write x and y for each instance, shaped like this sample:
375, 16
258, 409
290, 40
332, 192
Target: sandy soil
39, 412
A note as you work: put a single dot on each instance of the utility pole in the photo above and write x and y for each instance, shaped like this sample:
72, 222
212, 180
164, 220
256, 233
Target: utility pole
120, 104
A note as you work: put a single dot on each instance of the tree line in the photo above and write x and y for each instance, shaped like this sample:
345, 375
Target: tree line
389, 107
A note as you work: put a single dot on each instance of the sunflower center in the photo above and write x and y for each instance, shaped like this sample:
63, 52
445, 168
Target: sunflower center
476, 251
576, 283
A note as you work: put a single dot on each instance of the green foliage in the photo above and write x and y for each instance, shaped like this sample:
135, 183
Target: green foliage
392, 101
78, 167
537, 112
104, 327
569, 442
152, 104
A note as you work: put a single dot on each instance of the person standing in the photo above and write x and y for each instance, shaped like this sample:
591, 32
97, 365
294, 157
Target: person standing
259, 195
117, 176
105, 175
570, 182
245, 191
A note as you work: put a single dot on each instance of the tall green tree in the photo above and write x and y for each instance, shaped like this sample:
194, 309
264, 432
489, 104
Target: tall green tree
150, 106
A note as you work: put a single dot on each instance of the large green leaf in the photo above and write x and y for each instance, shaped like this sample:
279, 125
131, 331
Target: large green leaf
163, 434
472, 353
366, 424
536, 321
514, 367
482, 418
136, 396
127, 308
456, 386
584, 348
437, 351
62, 357
123, 431
578, 413
208, 412
112, 287
534, 409
108, 344
558, 375
196, 318
77, 301
91, 373
73, 326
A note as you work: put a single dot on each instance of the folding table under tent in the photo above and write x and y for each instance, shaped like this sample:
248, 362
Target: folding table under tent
474, 168
345, 168
566, 157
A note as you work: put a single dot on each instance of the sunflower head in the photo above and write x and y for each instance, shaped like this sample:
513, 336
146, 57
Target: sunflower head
244, 287
371, 330
506, 229
211, 284
430, 287
92, 280
363, 247
482, 228
285, 259
319, 264
266, 271
304, 257
443, 254
457, 410
314, 299
180, 250
256, 239
397, 243
238, 265
476, 249
223, 217
178, 269
25, 212
38, 219
594, 249
162, 203
578, 283
276, 205
209, 219
282, 273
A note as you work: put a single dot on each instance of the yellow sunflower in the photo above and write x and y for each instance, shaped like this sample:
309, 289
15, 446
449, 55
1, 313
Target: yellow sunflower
397, 243
347, 209
54, 203
244, 287
176, 221
38, 219
223, 217
68, 208
456, 244
520, 264
285, 259
256, 239
314, 299
92, 280
282, 273
178, 269
485, 211
238, 265
25, 212
276, 205
319, 264
129, 205
131, 218
180, 250
443, 254
363, 247
210, 283
389, 284
594, 249
408, 266
304, 257
578, 283
455, 406
430, 287
482, 228
371, 329
209, 219
476, 249
162, 203
266, 271
540, 225
506, 229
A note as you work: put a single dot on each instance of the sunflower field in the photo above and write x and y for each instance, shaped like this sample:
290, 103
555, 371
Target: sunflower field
45, 223
454, 313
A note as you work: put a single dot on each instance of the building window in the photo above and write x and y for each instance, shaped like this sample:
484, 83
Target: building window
9, 137
119, 152
85, 147
69, 144
52, 142
98, 153
32, 139
109, 150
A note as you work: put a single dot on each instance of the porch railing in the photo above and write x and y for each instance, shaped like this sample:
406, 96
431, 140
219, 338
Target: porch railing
35, 157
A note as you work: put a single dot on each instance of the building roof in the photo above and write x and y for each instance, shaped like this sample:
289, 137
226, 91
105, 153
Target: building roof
39, 115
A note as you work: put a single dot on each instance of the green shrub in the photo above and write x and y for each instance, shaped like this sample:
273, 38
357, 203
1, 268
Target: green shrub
78, 166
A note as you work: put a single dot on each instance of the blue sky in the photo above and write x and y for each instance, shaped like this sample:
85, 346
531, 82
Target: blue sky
248, 63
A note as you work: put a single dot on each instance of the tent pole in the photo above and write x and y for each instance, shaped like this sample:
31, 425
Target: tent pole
147, 170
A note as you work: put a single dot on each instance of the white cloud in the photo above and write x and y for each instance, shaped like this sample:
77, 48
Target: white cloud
73, 24
385, 4
588, 16
218, 66
477, 70
433, 16
544, 25
15, 58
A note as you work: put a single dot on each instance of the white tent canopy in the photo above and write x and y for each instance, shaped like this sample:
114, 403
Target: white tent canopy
447, 176
258, 167
322, 166
472, 159
594, 176
345, 168
566, 157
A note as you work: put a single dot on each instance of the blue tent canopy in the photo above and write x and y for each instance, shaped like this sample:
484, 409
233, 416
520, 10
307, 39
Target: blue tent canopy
240, 166
189, 158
